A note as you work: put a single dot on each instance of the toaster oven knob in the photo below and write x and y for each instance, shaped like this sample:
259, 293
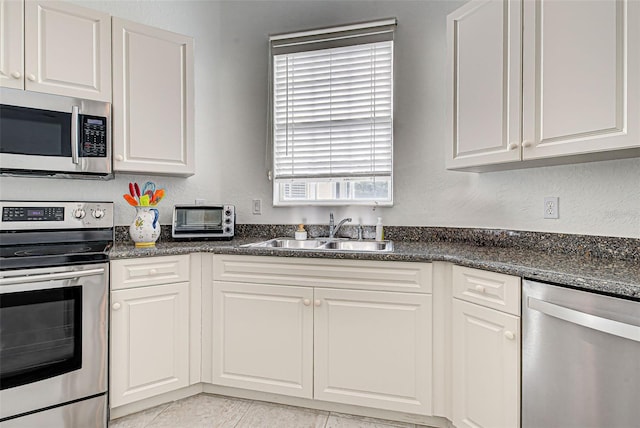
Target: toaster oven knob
98, 213
228, 221
227, 213
227, 230
79, 213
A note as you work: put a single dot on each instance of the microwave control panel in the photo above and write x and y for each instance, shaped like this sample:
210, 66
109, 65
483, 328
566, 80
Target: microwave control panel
93, 136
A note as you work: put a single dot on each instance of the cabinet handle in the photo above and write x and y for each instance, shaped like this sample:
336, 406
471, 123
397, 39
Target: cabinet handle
16, 75
513, 146
527, 144
480, 289
31, 77
116, 306
306, 302
152, 271
119, 158
509, 335
317, 302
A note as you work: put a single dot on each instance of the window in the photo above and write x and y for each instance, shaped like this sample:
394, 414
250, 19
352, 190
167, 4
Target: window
332, 115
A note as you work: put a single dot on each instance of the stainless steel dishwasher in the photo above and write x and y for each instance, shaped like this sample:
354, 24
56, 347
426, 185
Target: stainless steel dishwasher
580, 359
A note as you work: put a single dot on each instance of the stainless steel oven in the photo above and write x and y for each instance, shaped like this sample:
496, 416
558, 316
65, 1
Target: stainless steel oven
51, 135
54, 274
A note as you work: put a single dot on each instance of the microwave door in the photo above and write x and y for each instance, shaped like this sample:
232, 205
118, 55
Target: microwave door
37, 139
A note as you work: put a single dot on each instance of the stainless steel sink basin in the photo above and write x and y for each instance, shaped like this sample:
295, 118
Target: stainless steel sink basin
325, 244
359, 246
288, 243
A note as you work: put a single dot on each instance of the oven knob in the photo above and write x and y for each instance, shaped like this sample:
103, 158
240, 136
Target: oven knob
98, 213
79, 213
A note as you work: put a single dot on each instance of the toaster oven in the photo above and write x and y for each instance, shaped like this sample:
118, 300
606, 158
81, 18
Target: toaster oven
203, 221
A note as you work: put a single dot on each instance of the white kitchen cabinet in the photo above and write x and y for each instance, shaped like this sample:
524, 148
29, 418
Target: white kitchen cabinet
263, 338
484, 80
12, 43
347, 331
373, 348
65, 50
576, 98
153, 105
150, 328
486, 349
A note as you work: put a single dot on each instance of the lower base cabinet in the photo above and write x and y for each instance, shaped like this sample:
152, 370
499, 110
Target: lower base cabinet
263, 338
368, 347
150, 341
486, 350
150, 327
373, 349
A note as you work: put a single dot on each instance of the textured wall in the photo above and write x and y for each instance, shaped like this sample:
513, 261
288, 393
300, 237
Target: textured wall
598, 198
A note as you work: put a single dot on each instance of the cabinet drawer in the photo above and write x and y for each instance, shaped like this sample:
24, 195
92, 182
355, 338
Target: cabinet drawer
489, 289
354, 274
146, 271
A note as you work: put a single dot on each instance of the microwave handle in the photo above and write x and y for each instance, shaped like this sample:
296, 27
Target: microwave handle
75, 124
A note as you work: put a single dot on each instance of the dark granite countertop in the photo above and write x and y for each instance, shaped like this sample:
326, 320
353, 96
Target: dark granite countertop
603, 275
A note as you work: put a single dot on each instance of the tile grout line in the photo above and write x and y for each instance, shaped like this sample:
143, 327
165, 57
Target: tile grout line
245, 413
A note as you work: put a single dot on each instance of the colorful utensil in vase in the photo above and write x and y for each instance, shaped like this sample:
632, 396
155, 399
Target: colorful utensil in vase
148, 196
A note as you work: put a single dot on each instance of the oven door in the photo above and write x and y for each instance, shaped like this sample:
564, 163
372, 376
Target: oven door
53, 336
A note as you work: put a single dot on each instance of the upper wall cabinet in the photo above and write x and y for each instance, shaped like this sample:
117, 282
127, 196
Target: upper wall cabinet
55, 47
576, 97
153, 109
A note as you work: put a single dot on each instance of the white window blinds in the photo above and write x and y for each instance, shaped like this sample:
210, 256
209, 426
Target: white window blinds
332, 110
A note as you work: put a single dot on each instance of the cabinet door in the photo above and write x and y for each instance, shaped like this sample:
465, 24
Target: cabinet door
484, 75
581, 77
12, 43
67, 50
263, 337
373, 349
152, 100
149, 341
486, 367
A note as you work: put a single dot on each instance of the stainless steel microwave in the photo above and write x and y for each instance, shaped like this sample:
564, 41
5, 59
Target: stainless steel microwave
50, 135
203, 221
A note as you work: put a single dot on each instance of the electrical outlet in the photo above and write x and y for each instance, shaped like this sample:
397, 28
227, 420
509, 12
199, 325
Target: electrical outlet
551, 207
257, 206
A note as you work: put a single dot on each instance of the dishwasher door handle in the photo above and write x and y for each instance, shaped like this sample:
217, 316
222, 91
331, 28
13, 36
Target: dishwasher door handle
628, 331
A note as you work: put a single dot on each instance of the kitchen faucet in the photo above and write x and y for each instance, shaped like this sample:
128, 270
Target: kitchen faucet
333, 229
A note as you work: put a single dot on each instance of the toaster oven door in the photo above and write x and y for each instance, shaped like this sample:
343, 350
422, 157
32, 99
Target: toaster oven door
199, 221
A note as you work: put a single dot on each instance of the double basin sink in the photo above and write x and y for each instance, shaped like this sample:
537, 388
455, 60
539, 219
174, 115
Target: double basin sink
326, 244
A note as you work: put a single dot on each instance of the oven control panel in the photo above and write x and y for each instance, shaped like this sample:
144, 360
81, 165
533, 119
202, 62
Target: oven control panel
32, 214
26, 215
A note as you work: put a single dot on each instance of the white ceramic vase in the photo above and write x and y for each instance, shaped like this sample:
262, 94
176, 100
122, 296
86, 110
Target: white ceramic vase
145, 229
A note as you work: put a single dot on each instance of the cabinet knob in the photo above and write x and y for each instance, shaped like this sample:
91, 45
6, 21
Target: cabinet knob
119, 158
306, 302
317, 302
152, 271
526, 144
513, 146
16, 75
31, 77
116, 306
509, 335
480, 289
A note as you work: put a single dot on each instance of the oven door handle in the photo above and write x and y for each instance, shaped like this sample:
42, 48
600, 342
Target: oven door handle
50, 276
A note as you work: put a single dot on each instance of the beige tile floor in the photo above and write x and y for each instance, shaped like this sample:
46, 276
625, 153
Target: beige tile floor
215, 411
